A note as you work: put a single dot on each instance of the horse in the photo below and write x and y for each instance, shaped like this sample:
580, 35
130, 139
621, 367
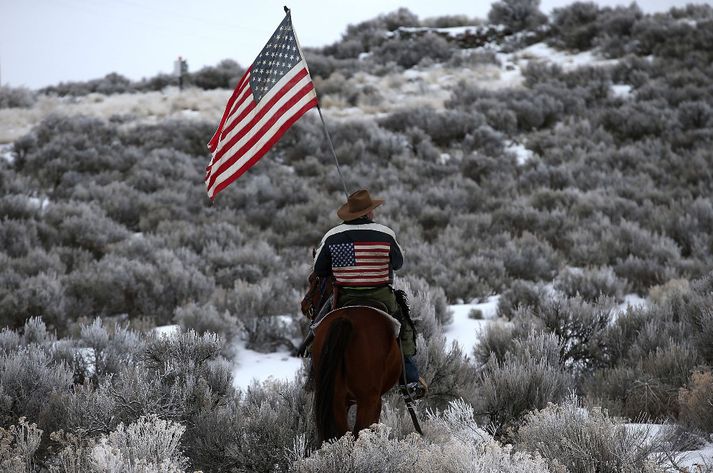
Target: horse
356, 359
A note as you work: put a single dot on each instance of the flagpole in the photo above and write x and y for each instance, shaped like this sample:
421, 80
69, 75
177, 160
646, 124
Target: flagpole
321, 117
331, 146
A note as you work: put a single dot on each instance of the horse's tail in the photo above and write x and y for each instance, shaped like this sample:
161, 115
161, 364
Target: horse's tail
331, 362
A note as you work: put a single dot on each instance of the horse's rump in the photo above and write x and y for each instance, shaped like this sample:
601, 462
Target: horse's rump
356, 359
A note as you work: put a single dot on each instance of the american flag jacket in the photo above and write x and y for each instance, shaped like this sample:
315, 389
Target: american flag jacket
359, 253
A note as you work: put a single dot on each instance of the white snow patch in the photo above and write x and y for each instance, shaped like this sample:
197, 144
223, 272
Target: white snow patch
633, 301
39, 203
88, 357
252, 365
188, 113
6, 153
466, 331
689, 460
621, 90
413, 74
696, 460
568, 62
167, 330
522, 154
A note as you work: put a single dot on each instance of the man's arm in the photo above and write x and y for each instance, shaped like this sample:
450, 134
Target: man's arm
322, 260
397, 257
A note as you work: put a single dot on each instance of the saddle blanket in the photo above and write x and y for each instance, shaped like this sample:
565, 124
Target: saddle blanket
394, 323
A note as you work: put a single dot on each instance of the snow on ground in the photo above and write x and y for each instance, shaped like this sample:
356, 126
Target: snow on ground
167, 330
39, 203
6, 153
621, 90
522, 154
251, 365
465, 331
696, 460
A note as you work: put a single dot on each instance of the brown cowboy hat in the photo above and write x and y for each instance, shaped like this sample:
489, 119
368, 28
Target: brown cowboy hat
358, 204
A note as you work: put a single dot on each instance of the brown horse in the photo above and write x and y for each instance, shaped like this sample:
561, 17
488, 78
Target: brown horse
356, 359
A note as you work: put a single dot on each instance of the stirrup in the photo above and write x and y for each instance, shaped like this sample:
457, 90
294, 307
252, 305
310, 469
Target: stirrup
416, 389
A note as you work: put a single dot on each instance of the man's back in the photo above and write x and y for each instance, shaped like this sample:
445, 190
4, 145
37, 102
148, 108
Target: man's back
359, 253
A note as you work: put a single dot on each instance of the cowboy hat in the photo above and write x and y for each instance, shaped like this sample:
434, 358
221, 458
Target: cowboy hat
358, 204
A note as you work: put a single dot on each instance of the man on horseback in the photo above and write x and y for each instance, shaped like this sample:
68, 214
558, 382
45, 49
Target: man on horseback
360, 256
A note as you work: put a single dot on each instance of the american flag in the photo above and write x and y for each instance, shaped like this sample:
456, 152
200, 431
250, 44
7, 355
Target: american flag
273, 94
360, 263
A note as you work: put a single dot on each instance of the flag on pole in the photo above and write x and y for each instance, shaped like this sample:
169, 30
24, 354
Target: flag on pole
274, 93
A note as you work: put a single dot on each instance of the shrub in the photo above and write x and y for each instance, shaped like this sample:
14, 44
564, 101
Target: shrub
580, 328
495, 341
452, 443
409, 52
225, 75
508, 389
520, 294
695, 401
590, 284
105, 351
428, 305
18, 445
576, 25
28, 379
148, 445
517, 15
647, 387
16, 97
447, 371
587, 440
206, 318
527, 257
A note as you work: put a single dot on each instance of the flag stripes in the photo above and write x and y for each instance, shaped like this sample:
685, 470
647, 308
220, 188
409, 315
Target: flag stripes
361, 263
270, 97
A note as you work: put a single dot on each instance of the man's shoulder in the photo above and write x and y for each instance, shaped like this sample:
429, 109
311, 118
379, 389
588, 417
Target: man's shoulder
363, 227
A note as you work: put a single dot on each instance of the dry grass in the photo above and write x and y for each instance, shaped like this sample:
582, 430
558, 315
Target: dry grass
149, 107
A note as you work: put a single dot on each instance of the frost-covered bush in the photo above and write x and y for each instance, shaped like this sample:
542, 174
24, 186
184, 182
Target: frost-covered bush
647, 386
495, 341
206, 318
508, 389
528, 257
259, 309
520, 294
446, 369
18, 445
576, 25
112, 83
16, 97
149, 445
453, 442
570, 436
590, 284
105, 351
578, 325
517, 15
428, 305
29, 377
255, 431
410, 52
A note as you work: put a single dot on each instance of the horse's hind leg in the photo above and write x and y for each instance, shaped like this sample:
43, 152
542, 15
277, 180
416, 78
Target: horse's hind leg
368, 412
340, 408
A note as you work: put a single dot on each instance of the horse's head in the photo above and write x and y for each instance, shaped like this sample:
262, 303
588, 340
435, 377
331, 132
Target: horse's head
320, 288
